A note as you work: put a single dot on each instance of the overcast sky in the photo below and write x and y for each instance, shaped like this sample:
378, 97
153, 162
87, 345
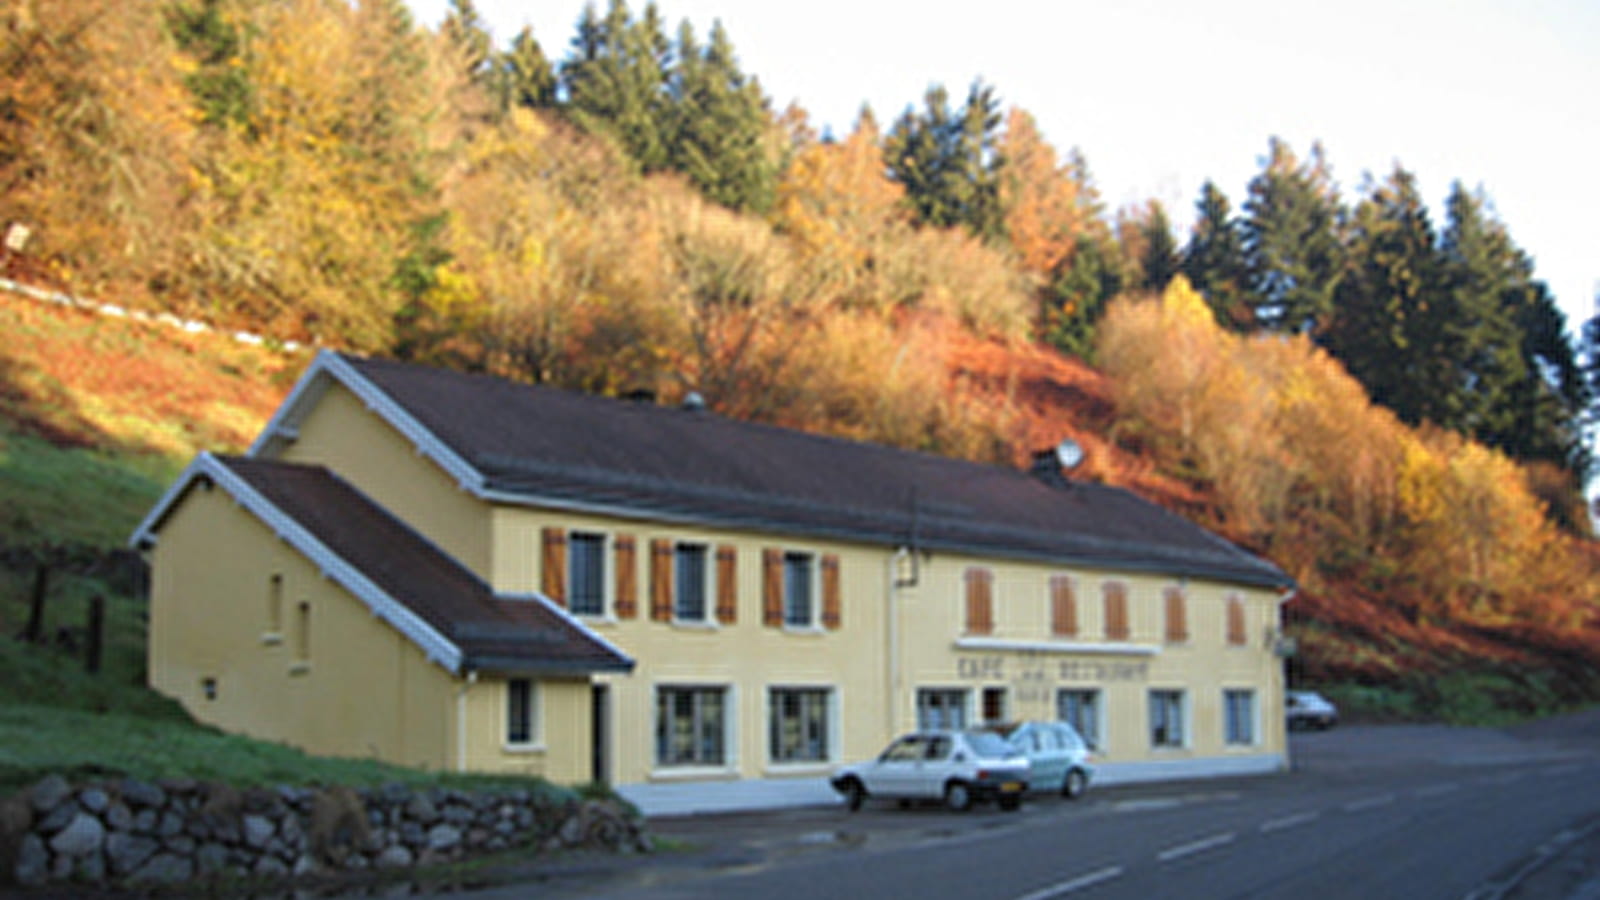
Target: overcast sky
1161, 95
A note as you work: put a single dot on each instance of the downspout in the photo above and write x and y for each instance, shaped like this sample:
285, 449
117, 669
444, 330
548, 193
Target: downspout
891, 615
461, 719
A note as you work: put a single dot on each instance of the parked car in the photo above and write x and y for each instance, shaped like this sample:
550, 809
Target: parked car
1309, 709
958, 767
1058, 757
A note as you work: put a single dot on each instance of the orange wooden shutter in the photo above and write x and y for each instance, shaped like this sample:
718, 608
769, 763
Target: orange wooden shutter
627, 578
1236, 633
832, 602
980, 601
727, 584
661, 580
1063, 606
554, 579
1177, 618
772, 587
1116, 611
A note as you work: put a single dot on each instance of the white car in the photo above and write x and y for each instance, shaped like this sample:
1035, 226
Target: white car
1058, 758
1309, 709
958, 767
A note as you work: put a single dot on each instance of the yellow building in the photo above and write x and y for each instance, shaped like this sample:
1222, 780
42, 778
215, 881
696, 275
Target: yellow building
460, 572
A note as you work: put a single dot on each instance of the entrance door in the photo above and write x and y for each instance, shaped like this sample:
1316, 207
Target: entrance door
600, 733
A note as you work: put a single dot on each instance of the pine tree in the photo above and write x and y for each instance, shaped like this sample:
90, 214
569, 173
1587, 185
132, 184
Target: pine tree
523, 76
945, 159
615, 81
1157, 261
719, 124
467, 33
1291, 241
1214, 259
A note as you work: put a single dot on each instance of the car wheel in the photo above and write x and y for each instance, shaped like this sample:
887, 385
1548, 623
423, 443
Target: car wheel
958, 796
1011, 802
854, 795
1073, 786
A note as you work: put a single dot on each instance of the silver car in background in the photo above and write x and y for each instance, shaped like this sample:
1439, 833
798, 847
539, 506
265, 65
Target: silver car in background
1058, 757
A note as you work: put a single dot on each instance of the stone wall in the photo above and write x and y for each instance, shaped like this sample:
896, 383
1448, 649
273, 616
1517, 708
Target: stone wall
129, 833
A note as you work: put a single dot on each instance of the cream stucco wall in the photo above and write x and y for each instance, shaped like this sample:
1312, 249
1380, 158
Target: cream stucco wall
351, 686
354, 442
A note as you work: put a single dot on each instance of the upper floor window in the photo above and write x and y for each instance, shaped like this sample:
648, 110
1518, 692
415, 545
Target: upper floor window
1176, 616
799, 606
1063, 606
1116, 610
690, 578
1236, 627
586, 573
980, 601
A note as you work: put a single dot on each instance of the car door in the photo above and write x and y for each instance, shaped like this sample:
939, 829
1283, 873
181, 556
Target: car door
898, 770
941, 760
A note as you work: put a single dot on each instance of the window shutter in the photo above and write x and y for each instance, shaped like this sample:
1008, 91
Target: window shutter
661, 580
1236, 633
727, 584
832, 602
627, 578
1063, 607
554, 581
772, 587
1116, 595
1177, 620
980, 601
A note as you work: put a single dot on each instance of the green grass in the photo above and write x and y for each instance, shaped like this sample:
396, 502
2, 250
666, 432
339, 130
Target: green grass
74, 496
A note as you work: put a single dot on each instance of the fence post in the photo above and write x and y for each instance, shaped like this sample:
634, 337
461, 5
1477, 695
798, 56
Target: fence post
41, 584
97, 623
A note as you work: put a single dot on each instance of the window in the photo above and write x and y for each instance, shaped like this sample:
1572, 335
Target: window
520, 717
1080, 708
586, 574
275, 604
1177, 616
799, 724
980, 601
994, 704
1166, 718
798, 607
1239, 716
691, 726
1236, 628
302, 634
1116, 599
689, 582
1063, 606
941, 708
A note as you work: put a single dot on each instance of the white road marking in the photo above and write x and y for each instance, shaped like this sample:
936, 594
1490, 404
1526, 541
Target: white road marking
1075, 884
1435, 790
1193, 847
1369, 803
1289, 821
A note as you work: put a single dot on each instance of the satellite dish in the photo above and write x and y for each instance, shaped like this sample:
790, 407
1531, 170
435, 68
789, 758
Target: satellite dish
1069, 454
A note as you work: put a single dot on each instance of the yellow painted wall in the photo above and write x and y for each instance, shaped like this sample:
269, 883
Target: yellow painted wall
560, 749
933, 618
363, 690
346, 437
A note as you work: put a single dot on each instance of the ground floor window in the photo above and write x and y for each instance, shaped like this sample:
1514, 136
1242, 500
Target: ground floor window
520, 711
994, 704
1166, 718
799, 724
1080, 708
941, 708
691, 726
1239, 716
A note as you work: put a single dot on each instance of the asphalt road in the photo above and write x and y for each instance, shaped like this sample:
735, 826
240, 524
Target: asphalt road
1369, 811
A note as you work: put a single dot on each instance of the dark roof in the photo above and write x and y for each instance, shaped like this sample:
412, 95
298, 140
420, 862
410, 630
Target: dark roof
492, 632
542, 444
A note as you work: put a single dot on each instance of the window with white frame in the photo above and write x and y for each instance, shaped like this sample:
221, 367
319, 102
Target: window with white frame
941, 708
691, 726
521, 712
586, 573
1166, 718
1080, 708
799, 724
1239, 716
799, 604
691, 576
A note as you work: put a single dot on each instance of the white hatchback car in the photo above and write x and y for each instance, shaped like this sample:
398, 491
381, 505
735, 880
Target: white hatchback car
959, 767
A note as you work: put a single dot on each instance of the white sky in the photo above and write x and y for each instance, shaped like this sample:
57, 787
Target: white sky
1161, 95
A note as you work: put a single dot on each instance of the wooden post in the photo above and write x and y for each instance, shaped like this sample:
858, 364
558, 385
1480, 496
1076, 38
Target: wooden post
97, 623
41, 583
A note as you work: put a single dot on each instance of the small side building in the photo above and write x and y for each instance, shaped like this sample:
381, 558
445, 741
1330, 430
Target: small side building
460, 572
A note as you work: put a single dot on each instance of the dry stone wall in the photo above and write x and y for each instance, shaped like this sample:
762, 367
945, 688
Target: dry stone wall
130, 833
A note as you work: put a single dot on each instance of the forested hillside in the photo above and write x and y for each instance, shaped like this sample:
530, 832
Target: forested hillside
1391, 409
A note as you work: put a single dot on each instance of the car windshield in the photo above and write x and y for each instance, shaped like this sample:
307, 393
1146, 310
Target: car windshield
989, 744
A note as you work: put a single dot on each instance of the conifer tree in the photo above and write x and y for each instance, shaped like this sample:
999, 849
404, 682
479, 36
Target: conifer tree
523, 75
1291, 241
615, 80
1214, 259
719, 124
945, 160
